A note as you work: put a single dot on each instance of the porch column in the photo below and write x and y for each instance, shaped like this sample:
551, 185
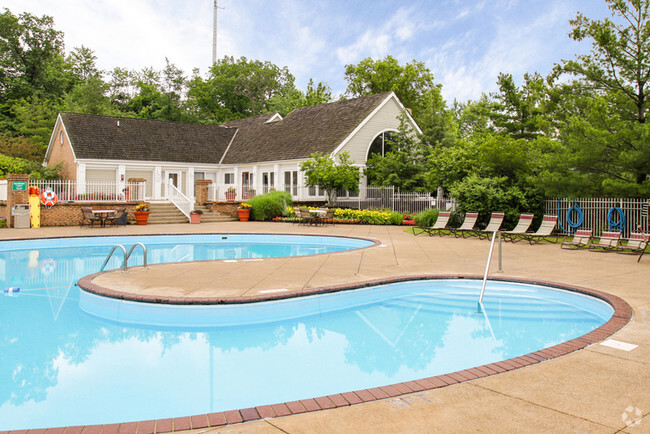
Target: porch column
156, 190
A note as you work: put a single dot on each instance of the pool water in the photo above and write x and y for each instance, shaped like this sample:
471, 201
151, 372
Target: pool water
72, 358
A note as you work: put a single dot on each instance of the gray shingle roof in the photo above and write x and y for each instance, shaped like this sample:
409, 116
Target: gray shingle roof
100, 137
302, 132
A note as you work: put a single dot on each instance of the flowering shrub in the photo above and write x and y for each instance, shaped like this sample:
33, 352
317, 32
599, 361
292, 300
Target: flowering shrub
354, 216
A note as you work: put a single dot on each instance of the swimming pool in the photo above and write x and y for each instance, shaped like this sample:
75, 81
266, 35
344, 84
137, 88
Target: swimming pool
74, 358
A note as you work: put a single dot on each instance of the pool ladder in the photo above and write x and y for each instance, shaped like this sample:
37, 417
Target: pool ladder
126, 256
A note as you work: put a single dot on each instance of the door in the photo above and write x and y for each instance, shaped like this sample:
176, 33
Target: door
175, 177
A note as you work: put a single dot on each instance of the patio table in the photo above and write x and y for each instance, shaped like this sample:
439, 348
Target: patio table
103, 214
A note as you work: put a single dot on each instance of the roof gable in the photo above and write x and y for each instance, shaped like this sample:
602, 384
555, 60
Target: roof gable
304, 131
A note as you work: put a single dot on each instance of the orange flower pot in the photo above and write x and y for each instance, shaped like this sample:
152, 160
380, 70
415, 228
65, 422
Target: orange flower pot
244, 214
141, 217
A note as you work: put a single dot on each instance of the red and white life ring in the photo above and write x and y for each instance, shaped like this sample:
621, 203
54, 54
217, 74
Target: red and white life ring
48, 198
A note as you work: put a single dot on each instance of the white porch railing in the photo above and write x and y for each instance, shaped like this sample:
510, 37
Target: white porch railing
182, 202
93, 191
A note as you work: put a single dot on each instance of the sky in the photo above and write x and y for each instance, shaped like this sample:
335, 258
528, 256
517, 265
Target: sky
465, 43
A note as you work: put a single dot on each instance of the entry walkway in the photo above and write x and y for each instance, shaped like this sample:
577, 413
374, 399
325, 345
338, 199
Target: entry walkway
597, 389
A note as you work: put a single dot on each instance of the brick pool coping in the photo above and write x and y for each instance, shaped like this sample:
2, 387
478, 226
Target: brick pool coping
622, 315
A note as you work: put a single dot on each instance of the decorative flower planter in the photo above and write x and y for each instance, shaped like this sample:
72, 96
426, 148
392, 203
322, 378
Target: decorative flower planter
230, 197
244, 214
195, 218
249, 195
141, 217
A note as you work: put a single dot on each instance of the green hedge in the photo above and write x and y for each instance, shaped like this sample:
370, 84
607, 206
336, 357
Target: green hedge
270, 205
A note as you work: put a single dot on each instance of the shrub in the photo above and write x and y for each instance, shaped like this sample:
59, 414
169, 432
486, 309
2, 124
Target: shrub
270, 205
426, 218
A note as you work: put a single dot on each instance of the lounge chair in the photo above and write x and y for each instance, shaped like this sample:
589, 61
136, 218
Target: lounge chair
525, 219
468, 225
441, 223
581, 238
88, 218
636, 244
496, 219
608, 241
544, 230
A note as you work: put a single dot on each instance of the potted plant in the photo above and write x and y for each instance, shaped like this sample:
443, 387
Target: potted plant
244, 211
231, 194
249, 193
195, 216
141, 213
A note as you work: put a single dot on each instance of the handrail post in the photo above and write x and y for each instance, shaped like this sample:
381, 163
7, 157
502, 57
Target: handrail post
487, 267
111, 254
500, 270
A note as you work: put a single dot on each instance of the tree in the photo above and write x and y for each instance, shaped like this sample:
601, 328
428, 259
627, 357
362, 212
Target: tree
32, 63
330, 176
409, 82
519, 112
604, 128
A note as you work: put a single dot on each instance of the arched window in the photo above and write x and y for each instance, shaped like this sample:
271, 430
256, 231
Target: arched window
381, 144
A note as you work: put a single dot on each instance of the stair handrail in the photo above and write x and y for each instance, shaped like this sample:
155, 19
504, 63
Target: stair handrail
179, 200
487, 266
144, 251
125, 265
111, 254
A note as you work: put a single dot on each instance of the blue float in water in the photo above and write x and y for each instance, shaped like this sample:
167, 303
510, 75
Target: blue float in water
12, 289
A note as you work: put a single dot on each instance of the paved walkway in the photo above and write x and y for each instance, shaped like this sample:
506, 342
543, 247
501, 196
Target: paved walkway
597, 389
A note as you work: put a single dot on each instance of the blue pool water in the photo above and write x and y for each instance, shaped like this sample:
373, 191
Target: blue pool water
72, 358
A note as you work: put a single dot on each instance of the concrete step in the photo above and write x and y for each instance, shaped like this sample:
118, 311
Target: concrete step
167, 213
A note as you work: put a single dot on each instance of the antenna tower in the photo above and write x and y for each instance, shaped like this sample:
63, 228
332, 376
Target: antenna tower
214, 34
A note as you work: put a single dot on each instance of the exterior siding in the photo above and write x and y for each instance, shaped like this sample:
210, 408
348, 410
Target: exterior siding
62, 153
103, 175
146, 174
386, 119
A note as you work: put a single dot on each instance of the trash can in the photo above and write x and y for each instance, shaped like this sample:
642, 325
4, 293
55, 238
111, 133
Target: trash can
21, 215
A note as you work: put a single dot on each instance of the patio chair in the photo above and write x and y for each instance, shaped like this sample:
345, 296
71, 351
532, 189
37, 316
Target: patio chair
496, 219
441, 223
544, 230
607, 242
115, 218
525, 220
306, 216
636, 244
581, 238
329, 216
88, 218
468, 225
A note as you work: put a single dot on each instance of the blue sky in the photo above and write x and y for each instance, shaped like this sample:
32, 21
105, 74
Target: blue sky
465, 43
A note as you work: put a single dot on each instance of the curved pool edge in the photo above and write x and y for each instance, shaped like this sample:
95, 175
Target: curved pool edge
622, 315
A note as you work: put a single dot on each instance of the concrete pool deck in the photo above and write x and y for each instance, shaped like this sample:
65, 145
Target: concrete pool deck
597, 389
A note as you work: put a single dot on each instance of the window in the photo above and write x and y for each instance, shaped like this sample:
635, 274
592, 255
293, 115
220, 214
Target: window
382, 144
291, 182
61, 136
229, 178
268, 181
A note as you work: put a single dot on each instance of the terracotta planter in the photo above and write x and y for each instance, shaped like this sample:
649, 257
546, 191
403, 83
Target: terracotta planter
195, 218
244, 214
249, 195
230, 197
141, 217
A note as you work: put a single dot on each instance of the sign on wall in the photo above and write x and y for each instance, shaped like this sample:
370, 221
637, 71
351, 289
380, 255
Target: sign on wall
19, 186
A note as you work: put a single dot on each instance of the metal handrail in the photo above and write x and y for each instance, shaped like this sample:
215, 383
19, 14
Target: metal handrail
144, 251
487, 266
111, 254
125, 265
